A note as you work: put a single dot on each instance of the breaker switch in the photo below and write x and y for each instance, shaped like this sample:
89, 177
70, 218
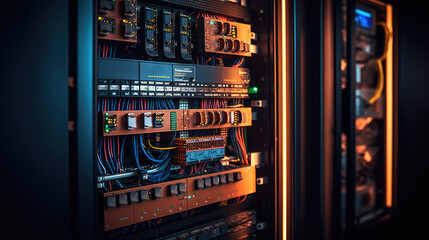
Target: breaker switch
123, 199
238, 176
182, 188
134, 197
111, 202
215, 180
173, 189
144, 195
208, 182
230, 177
157, 192
199, 184
223, 179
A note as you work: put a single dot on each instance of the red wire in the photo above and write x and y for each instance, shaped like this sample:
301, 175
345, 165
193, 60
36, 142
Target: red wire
193, 210
141, 104
104, 147
109, 146
241, 201
110, 186
118, 153
208, 60
132, 107
119, 105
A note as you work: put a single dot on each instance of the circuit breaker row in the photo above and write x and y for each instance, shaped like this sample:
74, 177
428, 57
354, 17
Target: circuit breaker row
130, 206
151, 121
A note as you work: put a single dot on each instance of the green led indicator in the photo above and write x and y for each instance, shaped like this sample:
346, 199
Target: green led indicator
253, 90
107, 130
211, 22
107, 114
189, 18
189, 197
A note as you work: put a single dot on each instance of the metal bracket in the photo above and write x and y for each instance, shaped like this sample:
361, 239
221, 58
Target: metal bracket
71, 126
71, 82
259, 103
254, 49
261, 225
253, 36
262, 181
255, 158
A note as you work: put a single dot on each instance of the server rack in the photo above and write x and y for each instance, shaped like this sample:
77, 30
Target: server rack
352, 208
268, 200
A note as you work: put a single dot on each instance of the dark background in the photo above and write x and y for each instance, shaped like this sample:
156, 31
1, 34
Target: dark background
34, 170
413, 179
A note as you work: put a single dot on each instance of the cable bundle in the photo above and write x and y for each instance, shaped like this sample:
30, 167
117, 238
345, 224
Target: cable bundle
238, 143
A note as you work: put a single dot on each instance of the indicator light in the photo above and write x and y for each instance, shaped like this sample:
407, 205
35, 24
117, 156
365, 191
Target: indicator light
253, 90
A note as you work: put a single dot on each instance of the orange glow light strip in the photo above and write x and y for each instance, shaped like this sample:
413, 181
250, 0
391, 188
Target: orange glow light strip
283, 122
389, 109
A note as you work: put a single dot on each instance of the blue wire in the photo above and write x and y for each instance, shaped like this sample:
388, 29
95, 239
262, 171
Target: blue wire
123, 105
100, 155
111, 50
121, 157
114, 52
136, 152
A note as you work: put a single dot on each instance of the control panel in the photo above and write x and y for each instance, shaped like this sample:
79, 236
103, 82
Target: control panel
134, 205
224, 37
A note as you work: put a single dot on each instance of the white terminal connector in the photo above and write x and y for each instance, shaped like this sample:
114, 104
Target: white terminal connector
147, 120
231, 116
132, 121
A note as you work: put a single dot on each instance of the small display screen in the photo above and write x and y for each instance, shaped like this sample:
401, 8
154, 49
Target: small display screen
363, 19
